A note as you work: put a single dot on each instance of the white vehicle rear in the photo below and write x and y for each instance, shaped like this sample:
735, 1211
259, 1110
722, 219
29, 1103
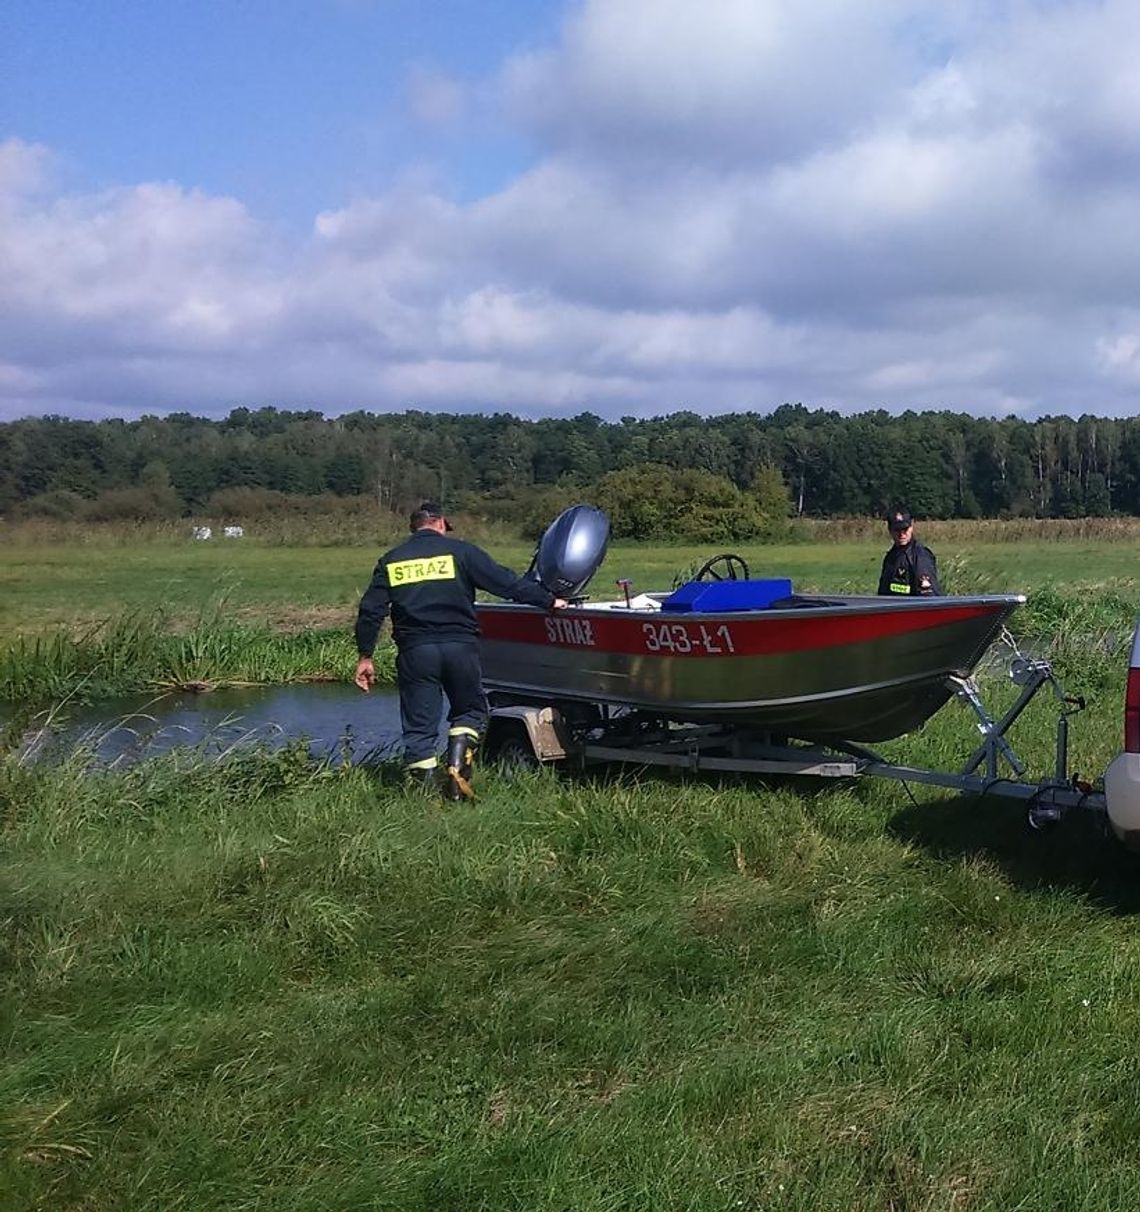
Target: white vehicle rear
1122, 778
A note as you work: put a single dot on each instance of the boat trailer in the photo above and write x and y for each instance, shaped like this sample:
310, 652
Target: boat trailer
582, 733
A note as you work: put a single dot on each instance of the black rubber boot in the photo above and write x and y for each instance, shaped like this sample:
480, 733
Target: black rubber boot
461, 750
422, 778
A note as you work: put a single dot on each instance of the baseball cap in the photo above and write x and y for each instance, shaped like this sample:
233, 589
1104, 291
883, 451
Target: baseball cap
428, 511
899, 519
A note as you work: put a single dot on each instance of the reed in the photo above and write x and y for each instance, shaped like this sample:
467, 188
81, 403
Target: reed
350, 523
138, 652
355, 528
357, 522
973, 531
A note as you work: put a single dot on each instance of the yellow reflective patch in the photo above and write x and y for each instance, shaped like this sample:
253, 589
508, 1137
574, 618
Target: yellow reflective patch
899, 587
409, 572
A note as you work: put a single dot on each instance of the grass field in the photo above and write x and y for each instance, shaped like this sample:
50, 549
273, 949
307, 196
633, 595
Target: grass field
270, 984
264, 985
98, 574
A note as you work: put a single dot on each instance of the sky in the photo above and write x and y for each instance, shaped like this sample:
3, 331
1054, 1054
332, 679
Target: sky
545, 207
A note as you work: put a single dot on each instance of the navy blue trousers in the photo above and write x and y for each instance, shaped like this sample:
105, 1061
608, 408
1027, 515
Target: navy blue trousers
427, 672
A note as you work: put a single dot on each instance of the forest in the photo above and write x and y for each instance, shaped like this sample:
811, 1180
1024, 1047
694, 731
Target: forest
674, 476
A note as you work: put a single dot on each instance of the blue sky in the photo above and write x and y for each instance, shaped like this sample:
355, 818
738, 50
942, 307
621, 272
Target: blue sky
291, 105
626, 206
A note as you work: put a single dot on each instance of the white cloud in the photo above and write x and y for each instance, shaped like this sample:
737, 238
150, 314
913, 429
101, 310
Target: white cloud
1119, 354
24, 170
737, 80
434, 98
854, 205
153, 267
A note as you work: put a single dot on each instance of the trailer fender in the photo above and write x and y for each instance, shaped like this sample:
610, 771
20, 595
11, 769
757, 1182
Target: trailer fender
544, 727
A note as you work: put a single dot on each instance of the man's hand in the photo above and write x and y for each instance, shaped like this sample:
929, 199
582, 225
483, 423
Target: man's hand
365, 674
559, 604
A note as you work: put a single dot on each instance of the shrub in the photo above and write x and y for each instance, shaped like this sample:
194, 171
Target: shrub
145, 503
61, 506
653, 501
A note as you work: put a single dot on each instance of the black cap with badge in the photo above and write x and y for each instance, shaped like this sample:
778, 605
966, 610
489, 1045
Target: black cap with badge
899, 520
429, 511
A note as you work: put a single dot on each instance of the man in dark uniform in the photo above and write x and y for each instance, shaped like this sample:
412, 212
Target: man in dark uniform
909, 567
428, 582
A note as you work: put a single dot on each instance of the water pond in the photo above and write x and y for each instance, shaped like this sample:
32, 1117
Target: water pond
336, 719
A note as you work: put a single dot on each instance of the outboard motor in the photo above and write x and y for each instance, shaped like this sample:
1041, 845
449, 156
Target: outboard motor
571, 550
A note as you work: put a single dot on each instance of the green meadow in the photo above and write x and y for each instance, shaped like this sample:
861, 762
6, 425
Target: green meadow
44, 586
269, 983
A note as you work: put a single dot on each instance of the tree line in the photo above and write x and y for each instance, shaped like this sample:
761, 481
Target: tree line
679, 474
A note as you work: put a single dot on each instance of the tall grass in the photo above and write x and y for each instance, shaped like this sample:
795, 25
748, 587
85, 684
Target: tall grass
969, 531
144, 652
355, 523
365, 527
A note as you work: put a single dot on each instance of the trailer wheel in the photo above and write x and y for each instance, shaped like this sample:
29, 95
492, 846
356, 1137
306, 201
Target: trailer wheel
513, 751
1043, 818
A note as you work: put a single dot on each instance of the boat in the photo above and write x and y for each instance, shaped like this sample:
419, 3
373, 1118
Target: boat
728, 649
820, 668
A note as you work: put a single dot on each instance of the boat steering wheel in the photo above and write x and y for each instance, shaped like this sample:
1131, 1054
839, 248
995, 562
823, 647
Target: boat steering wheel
726, 567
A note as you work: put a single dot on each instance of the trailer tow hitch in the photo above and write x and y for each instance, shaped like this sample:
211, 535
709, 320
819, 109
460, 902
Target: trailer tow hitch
1054, 796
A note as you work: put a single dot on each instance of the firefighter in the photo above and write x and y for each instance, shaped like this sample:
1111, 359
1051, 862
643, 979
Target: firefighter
909, 567
428, 583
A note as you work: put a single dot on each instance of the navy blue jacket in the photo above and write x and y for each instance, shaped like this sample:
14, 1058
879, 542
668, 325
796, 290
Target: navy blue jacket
428, 584
910, 570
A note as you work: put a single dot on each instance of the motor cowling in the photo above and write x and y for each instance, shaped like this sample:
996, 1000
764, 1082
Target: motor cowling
571, 550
